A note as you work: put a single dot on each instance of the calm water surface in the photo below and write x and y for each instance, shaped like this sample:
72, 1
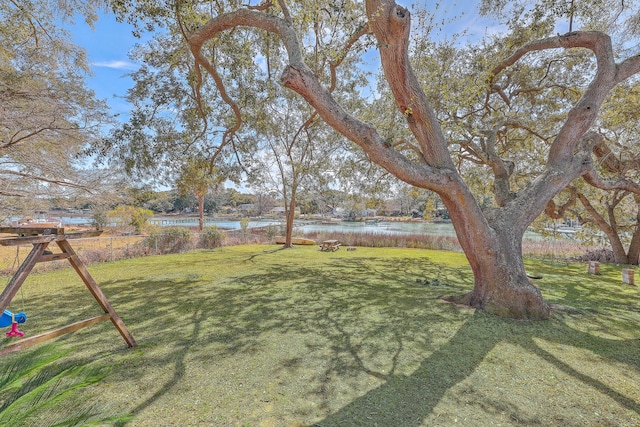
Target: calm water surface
384, 227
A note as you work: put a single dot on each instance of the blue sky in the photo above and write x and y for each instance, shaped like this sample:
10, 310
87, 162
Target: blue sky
109, 43
107, 46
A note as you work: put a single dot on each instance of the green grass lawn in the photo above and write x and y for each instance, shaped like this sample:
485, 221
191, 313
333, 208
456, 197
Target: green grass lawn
258, 336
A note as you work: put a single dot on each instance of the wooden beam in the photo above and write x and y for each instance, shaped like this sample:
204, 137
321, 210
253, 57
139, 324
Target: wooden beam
32, 240
39, 238
45, 336
18, 279
53, 257
32, 230
97, 293
40, 244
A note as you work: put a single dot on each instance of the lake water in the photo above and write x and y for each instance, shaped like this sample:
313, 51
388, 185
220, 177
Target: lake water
384, 227
395, 228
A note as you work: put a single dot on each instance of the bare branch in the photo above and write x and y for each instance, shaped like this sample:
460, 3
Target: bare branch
285, 11
8, 194
48, 180
596, 218
364, 30
299, 77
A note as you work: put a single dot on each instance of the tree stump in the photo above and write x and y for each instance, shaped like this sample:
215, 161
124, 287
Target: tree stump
627, 276
593, 267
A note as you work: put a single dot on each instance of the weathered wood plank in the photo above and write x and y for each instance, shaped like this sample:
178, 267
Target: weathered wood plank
26, 240
23, 271
97, 293
45, 336
53, 257
17, 241
32, 230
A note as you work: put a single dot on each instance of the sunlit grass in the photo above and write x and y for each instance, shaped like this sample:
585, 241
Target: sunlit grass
256, 335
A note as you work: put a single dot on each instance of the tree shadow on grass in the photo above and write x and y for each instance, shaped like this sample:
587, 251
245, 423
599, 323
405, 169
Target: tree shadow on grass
237, 311
405, 401
361, 314
328, 301
178, 360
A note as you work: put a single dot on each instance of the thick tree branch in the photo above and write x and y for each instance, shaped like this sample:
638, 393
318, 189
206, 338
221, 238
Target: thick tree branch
554, 211
299, 77
501, 170
608, 160
592, 178
584, 112
627, 68
598, 219
391, 24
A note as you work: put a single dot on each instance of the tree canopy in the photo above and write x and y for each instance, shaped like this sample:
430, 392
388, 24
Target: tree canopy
47, 113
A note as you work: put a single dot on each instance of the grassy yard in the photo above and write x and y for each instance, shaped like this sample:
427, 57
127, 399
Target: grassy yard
258, 336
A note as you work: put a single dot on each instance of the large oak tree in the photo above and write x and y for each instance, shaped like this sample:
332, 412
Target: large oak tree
432, 155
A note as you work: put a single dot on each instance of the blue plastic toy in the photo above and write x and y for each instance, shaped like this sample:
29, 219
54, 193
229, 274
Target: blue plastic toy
10, 319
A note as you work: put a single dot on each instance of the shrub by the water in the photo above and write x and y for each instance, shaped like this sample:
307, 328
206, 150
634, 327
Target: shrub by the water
168, 240
211, 237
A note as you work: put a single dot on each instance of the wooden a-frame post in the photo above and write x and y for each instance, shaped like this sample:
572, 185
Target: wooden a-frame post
40, 238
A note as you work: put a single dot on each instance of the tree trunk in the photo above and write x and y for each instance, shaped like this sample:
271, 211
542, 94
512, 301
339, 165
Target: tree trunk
608, 228
494, 252
289, 224
633, 254
200, 212
619, 254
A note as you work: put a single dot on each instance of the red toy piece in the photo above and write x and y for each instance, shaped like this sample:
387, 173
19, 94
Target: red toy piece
14, 332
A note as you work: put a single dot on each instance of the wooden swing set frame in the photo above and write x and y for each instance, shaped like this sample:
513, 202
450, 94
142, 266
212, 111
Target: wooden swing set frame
40, 238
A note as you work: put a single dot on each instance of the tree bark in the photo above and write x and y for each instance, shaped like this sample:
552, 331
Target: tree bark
633, 254
200, 212
288, 243
494, 252
610, 229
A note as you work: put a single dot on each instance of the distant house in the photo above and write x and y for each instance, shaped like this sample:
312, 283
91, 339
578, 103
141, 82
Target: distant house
229, 210
281, 211
278, 211
247, 208
339, 212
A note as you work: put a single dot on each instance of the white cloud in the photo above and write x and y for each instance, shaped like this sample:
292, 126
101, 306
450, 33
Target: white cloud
118, 65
